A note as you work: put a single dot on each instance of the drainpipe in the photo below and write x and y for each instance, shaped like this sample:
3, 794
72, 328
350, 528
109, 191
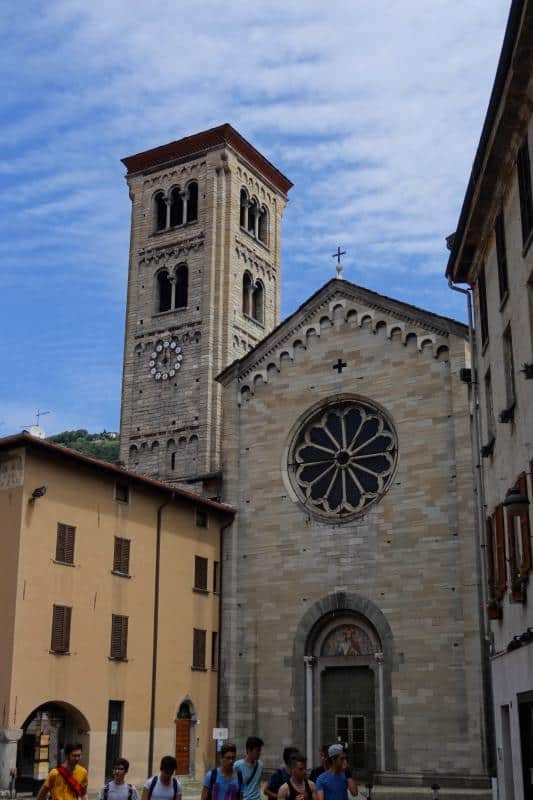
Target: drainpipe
156, 628
220, 595
480, 534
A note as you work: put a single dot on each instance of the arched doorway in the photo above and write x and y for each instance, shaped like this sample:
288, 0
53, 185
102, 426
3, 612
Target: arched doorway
44, 734
185, 749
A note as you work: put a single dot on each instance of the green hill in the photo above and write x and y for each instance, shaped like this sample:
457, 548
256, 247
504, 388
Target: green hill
99, 445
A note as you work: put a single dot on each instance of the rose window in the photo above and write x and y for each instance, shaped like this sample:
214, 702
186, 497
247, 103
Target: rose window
343, 459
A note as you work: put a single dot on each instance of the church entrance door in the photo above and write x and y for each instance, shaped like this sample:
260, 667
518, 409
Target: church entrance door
348, 713
183, 729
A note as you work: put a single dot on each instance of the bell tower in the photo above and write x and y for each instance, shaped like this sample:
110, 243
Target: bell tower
203, 289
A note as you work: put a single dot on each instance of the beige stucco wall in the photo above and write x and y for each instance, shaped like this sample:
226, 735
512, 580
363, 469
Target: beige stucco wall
86, 678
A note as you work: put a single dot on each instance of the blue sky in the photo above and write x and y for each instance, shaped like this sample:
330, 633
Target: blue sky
373, 108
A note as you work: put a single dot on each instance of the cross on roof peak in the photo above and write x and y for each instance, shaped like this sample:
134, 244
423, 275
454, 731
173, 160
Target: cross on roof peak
338, 265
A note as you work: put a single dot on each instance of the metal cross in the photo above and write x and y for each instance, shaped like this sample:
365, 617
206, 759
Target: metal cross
338, 254
339, 366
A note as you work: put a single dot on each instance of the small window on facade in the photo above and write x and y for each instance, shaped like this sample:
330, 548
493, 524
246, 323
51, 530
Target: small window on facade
198, 649
65, 543
489, 406
173, 461
524, 189
176, 207
121, 556
119, 637
216, 577
160, 211
201, 518
246, 294
482, 298
501, 256
262, 225
200, 573
122, 492
164, 290
508, 365
182, 286
252, 217
192, 202
258, 299
60, 642
243, 208
214, 650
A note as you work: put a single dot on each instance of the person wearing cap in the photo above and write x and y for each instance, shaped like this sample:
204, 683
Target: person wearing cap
333, 783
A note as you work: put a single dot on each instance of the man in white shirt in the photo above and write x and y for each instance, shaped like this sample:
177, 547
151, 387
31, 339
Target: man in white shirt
164, 786
118, 789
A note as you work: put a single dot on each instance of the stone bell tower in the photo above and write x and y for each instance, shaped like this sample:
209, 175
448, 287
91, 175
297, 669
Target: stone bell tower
203, 289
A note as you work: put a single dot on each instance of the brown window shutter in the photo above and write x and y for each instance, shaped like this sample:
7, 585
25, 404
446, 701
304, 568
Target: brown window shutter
525, 532
198, 654
511, 546
60, 640
121, 557
214, 650
65, 543
200, 573
500, 549
489, 537
119, 636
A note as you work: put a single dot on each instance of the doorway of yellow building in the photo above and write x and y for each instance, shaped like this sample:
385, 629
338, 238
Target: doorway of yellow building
183, 739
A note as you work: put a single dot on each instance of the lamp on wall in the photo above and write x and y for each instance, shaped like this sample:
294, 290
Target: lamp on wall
40, 491
516, 502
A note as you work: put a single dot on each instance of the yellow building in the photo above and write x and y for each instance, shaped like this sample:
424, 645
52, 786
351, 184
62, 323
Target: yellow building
109, 609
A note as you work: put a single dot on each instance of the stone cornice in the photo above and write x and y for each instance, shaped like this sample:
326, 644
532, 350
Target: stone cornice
156, 253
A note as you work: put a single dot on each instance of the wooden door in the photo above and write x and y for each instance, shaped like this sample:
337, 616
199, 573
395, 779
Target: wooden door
183, 733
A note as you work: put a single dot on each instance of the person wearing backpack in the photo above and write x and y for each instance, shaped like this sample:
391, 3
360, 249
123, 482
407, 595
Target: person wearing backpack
297, 787
118, 789
223, 783
250, 769
164, 786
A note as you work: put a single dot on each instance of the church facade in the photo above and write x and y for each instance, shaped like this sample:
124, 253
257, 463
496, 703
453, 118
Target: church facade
350, 590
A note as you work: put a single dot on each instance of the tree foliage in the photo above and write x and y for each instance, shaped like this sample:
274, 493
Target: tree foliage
98, 445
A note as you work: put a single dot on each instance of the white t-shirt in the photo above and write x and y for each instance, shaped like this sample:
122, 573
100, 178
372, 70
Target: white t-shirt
119, 792
162, 791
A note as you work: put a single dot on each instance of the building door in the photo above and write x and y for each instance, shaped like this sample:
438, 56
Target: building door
525, 713
183, 740
348, 713
114, 735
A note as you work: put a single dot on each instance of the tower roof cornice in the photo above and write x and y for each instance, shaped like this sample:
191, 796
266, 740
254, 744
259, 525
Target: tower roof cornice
200, 143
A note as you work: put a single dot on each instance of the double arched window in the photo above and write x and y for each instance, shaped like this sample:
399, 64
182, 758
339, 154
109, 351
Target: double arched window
172, 288
178, 207
253, 298
253, 217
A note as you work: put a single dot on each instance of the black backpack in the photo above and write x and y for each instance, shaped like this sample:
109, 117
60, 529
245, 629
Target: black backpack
105, 793
213, 780
153, 783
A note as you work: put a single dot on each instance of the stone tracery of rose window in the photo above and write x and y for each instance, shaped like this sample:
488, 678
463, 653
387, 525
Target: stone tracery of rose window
343, 459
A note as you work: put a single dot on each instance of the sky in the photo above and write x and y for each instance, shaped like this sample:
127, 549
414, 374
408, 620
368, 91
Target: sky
373, 108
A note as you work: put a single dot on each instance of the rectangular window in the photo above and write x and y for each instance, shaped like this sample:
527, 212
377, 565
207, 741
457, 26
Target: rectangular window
523, 167
121, 556
119, 637
501, 256
200, 573
60, 642
201, 518
216, 577
489, 406
214, 650
65, 543
122, 492
525, 531
482, 299
498, 525
508, 365
490, 551
198, 649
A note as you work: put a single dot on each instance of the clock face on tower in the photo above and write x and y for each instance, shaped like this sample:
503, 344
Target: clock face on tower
165, 360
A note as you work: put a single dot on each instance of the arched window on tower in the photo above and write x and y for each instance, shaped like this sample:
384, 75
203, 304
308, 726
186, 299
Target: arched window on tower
252, 217
246, 293
258, 301
182, 286
176, 207
262, 225
192, 201
160, 211
164, 291
243, 208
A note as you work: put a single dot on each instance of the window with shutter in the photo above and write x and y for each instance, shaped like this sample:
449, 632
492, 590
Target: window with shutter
491, 567
65, 543
483, 312
501, 256
119, 637
214, 650
60, 640
198, 649
525, 532
499, 526
524, 190
121, 556
201, 518
122, 492
216, 577
200, 573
